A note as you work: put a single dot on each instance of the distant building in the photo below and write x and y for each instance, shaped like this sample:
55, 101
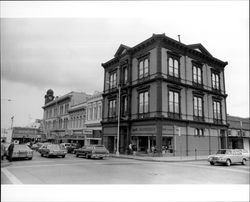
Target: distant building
77, 127
172, 96
56, 116
238, 132
26, 134
94, 117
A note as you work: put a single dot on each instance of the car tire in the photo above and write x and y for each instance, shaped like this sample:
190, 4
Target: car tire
41, 155
243, 162
88, 156
63, 156
30, 158
212, 163
228, 162
77, 155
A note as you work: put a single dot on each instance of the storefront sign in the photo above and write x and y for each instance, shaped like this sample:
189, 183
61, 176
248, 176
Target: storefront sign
144, 129
87, 132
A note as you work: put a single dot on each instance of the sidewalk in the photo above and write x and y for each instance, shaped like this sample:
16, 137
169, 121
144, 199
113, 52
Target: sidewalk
161, 159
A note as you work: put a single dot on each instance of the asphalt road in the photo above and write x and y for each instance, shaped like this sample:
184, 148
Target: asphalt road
72, 170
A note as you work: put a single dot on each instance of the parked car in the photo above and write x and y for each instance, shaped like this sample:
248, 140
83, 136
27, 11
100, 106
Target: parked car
228, 157
72, 147
52, 150
92, 151
21, 151
41, 145
66, 145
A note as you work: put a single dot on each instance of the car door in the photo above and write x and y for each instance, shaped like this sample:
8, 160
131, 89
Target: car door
235, 156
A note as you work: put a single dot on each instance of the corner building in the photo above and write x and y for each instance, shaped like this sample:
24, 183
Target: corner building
172, 97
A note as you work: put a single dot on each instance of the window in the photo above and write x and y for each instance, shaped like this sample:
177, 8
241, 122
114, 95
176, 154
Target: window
112, 80
66, 123
60, 123
174, 104
125, 75
100, 111
143, 68
173, 67
143, 102
55, 111
95, 112
217, 110
198, 132
112, 108
61, 110
66, 108
198, 106
54, 124
124, 105
197, 75
215, 81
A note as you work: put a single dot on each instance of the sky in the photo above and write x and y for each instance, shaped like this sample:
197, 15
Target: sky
61, 45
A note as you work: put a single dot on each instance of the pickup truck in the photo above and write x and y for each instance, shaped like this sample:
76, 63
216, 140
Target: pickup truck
92, 151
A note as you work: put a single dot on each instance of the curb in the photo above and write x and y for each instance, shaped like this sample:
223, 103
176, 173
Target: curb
5, 164
157, 160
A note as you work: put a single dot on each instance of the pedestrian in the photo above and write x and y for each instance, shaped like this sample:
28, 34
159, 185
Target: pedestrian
10, 150
130, 148
2, 149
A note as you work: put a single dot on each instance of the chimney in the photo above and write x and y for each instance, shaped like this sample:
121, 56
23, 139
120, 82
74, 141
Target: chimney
179, 37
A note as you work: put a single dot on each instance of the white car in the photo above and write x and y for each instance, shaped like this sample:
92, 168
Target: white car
228, 157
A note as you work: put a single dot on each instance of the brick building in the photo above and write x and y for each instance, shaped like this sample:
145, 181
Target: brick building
171, 96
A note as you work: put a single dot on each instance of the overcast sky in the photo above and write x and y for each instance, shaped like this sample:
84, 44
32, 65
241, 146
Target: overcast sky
65, 52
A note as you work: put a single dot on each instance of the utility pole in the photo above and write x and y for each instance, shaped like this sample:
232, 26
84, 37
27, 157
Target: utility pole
118, 122
12, 121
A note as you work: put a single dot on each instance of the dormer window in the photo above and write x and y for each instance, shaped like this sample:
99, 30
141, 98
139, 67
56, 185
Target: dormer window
143, 68
215, 81
197, 75
112, 80
173, 67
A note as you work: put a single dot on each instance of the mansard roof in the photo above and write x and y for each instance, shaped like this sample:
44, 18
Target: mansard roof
197, 50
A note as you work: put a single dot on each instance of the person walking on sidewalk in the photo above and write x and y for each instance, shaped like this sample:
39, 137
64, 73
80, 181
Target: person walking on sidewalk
130, 148
2, 149
10, 150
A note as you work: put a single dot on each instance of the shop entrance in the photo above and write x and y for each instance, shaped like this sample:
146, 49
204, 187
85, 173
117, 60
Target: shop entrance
235, 143
167, 144
111, 143
143, 144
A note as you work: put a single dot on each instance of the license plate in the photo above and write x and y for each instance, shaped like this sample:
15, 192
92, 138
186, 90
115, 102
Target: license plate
22, 154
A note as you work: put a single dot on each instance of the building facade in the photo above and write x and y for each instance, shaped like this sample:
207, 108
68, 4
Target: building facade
58, 124
94, 118
238, 132
168, 95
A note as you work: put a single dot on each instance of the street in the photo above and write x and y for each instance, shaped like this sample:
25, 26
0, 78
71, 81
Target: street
72, 170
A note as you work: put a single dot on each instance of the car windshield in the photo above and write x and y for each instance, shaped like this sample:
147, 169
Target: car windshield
21, 146
222, 152
99, 147
54, 146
